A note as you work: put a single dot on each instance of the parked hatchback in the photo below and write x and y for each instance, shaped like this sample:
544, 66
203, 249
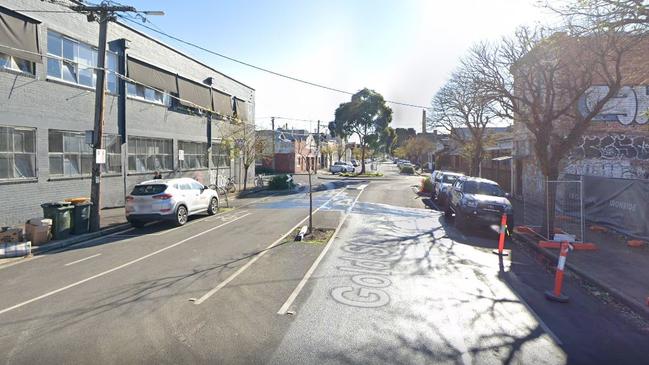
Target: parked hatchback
476, 201
172, 199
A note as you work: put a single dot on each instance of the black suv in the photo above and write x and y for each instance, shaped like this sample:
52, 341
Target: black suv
475, 201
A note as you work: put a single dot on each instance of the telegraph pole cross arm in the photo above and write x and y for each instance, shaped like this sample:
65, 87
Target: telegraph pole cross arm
102, 13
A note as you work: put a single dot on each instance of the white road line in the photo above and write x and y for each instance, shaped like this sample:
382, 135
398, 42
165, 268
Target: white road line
87, 258
258, 256
361, 187
115, 268
284, 309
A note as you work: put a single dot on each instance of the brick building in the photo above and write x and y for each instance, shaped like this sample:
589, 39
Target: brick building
295, 150
157, 105
616, 143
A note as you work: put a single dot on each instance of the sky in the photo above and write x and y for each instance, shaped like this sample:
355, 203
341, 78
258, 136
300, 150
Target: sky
403, 49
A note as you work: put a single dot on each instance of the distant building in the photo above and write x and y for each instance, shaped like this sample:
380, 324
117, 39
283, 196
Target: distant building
295, 150
496, 164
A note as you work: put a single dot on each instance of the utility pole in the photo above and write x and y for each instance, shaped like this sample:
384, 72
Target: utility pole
272, 126
319, 158
102, 13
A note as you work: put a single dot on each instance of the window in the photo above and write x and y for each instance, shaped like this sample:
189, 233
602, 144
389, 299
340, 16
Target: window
113, 146
70, 156
137, 91
76, 62
195, 153
220, 154
17, 153
149, 154
16, 64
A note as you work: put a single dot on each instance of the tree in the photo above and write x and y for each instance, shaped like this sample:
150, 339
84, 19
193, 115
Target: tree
417, 149
464, 112
542, 78
389, 139
630, 16
327, 150
247, 147
365, 115
403, 135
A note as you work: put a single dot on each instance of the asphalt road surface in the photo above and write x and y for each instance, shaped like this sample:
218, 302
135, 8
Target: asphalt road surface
396, 285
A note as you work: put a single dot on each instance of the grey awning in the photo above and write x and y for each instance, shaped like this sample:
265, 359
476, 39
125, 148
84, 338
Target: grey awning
151, 76
502, 158
19, 36
222, 103
195, 93
241, 109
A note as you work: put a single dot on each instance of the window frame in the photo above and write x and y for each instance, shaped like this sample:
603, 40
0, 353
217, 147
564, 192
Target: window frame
76, 63
217, 152
14, 59
12, 154
83, 153
200, 155
166, 97
140, 146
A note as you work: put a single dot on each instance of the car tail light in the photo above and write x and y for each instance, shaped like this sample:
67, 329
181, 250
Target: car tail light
129, 198
162, 196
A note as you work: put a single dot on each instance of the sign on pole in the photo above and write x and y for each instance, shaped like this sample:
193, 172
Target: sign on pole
100, 158
181, 155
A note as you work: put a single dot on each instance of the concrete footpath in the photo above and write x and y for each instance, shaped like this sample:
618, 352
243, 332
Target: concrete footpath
114, 221
615, 268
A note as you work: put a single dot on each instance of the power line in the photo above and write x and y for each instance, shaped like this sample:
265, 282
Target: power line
258, 67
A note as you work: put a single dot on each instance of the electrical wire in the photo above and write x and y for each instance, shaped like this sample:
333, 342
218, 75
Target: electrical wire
158, 30
258, 67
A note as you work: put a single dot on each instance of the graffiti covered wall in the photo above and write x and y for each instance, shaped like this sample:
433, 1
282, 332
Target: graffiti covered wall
611, 155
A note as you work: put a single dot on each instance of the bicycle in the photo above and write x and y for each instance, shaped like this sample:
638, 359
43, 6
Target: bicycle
259, 181
224, 185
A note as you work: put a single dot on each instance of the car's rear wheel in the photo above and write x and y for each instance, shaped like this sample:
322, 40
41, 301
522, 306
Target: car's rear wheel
213, 208
181, 215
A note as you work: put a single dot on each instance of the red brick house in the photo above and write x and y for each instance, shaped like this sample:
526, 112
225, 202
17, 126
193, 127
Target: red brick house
295, 150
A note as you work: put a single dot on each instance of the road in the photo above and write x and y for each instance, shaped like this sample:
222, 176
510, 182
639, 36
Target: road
397, 284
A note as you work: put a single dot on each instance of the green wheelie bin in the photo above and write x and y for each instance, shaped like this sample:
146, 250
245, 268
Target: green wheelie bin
61, 215
81, 217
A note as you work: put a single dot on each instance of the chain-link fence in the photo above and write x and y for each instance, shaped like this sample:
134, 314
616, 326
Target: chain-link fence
567, 215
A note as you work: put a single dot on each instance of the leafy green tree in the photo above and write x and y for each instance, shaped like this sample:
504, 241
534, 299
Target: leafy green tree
403, 135
365, 115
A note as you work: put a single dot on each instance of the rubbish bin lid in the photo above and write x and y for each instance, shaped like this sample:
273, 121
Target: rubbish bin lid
55, 204
77, 200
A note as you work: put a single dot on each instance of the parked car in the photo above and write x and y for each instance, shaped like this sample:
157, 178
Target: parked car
341, 166
442, 183
171, 199
477, 201
402, 162
354, 163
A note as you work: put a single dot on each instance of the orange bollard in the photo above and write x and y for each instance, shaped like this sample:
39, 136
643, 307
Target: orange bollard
555, 295
501, 240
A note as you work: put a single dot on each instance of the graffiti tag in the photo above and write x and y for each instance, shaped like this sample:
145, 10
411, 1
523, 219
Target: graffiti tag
630, 105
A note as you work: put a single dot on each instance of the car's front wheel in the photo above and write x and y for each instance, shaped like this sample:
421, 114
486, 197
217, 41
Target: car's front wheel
448, 213
181, 215
460, 221
213, 208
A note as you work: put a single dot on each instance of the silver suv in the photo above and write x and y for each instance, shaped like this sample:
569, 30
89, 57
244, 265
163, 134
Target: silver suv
172, 199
